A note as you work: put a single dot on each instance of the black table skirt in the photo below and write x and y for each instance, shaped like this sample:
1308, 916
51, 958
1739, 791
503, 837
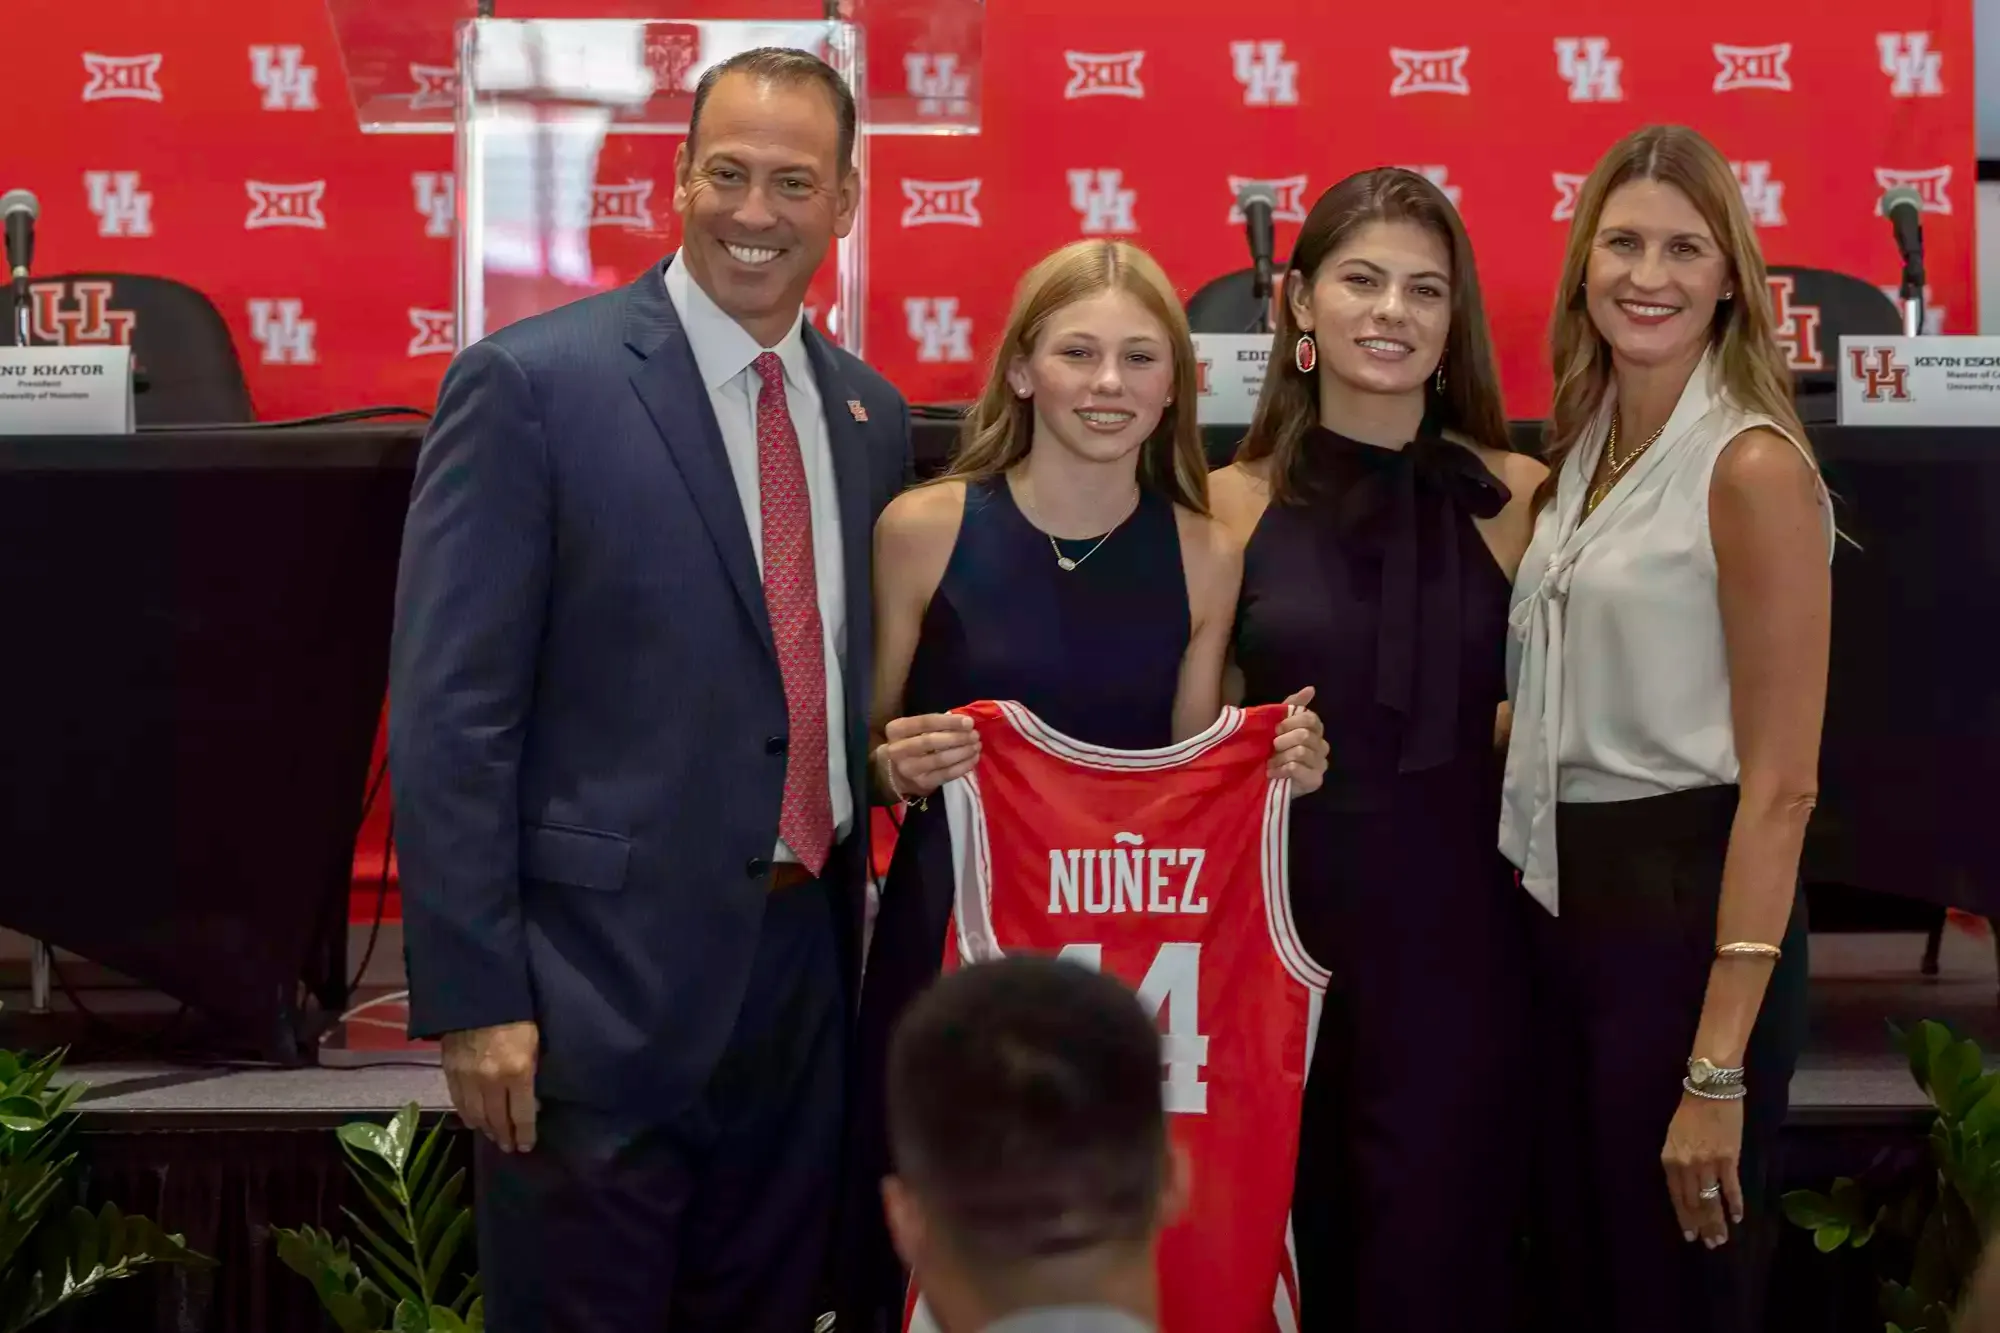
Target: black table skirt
197, 642
192, 668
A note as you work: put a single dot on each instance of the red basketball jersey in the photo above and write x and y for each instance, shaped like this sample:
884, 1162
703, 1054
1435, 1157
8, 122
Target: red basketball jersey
1166, 867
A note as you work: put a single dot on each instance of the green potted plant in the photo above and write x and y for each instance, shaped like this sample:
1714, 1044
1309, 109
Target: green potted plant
394, 1285
53, 1251
1928, 1235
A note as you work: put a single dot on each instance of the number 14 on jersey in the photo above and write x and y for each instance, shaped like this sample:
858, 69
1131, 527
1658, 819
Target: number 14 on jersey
1172, 983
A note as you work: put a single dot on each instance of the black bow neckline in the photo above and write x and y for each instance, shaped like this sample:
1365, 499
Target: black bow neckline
1407, 502
1429, 463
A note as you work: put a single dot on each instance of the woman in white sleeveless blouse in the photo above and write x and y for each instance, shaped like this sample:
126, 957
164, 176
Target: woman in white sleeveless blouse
1669, 660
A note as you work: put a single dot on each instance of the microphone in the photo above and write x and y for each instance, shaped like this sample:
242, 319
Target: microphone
1256, 201
1904, 208
18, 211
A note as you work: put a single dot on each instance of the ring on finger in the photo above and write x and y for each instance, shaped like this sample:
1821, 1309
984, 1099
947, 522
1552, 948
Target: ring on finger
1712, 1190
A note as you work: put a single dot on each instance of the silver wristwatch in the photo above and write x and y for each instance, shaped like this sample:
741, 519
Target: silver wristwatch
1705, 1075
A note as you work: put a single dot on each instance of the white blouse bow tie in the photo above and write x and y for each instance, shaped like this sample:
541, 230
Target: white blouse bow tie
1527, 817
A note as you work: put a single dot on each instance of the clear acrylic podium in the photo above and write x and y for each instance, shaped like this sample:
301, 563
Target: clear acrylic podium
567, 115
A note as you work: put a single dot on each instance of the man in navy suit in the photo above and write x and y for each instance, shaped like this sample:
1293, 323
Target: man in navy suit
628, 746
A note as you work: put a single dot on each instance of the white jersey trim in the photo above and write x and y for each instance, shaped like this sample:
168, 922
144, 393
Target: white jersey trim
972, 870
1285, 941
1050, 741
972, 860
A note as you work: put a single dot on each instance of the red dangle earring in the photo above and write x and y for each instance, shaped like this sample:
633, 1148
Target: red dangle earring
1306, 354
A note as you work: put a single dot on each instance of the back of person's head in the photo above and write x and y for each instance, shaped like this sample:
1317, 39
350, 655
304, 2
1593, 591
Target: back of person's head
1033, 1164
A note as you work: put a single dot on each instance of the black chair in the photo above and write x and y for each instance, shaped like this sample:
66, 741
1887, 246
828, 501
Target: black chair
184, 359
1812, 308
1226, 305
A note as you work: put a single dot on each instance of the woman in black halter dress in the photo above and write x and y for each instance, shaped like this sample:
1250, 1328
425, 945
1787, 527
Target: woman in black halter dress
1378, 570
1067, 563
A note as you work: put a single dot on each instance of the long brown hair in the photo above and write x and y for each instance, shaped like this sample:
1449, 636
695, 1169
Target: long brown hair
1000, 428
1754, 372
1288, 406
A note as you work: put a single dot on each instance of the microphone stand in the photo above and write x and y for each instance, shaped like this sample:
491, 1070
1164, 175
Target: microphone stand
19, 301
1911, 295
1261, 277
1913, 299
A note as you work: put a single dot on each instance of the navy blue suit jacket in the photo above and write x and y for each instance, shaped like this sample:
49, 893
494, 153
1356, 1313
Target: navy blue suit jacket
586, 719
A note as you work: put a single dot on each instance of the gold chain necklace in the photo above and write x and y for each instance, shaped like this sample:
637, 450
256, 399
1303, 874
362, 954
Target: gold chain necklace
1618, 466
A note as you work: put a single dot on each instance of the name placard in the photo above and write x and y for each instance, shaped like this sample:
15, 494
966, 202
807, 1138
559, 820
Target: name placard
65, 390
1933, 381
1230, 369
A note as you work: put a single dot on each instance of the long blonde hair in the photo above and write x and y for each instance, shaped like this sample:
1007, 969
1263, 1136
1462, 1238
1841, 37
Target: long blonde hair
1752, 364
1000, 428
1469, 403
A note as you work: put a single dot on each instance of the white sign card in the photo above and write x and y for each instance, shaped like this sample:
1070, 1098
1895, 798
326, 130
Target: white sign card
65, 390
1931, 381
1230, 370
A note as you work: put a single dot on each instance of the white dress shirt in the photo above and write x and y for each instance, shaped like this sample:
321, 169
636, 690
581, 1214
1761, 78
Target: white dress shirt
725, 354
1619, 671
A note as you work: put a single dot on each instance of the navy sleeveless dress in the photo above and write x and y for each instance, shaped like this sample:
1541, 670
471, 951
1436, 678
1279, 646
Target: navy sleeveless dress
1379, 591
1095, 652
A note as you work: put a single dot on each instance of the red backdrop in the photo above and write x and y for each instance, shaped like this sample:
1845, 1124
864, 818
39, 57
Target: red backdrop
213, 141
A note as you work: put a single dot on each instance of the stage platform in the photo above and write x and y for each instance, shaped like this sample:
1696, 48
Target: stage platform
1849, 1074
224, 1151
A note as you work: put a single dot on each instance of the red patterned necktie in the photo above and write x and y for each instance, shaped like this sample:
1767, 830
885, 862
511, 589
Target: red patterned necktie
791, 595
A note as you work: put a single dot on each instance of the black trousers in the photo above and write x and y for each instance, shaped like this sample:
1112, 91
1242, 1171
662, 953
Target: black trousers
716, 1221
1623, 971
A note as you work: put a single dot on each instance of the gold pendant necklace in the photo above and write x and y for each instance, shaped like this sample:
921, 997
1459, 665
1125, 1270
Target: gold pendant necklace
1618, 466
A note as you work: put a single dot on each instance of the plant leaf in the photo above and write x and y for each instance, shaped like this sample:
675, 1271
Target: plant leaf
1923, 1044
437, 1212
418, 1174
1867, 1233
387, 1206
376, 1174
23, 1114
402, 1136
390, 1266
367, 1136
440, 1260
1809, 1209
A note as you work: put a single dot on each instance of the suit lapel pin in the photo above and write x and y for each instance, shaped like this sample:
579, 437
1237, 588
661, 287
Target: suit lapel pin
860, 412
